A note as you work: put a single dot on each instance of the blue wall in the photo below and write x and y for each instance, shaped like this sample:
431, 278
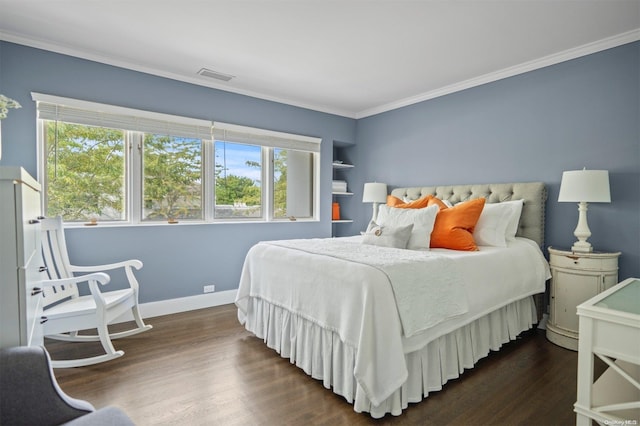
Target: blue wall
178, 259
530, 127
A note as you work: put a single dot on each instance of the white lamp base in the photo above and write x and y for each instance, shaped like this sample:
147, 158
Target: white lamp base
374, 214
582, 248
582, 231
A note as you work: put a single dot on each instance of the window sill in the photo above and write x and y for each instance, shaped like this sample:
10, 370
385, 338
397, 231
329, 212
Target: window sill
77, 225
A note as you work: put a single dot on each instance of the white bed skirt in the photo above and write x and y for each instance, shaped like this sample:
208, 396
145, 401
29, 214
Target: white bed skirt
323, 356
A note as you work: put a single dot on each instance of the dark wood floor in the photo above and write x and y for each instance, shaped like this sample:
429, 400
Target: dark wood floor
203, 368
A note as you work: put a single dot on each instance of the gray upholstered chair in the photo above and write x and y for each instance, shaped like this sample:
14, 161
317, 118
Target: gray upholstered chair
30, 395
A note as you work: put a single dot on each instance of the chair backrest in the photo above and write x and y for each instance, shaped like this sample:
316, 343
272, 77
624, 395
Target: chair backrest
56, 259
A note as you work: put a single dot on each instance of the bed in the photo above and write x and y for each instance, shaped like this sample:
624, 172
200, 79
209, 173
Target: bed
363, 319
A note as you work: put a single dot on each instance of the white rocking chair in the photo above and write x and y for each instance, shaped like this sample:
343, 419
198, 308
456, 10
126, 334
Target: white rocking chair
65, 312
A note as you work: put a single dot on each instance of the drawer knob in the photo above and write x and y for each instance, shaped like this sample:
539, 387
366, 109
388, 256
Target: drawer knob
36, 291
43, 320
33, 221
43, 269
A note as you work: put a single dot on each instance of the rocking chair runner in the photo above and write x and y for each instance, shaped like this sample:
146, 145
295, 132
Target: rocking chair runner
65, 312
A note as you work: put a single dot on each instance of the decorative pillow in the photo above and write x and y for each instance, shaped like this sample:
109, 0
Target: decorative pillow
491, 229
415, 204
454, 226
421, 219
514, 220
387, 236
438, 202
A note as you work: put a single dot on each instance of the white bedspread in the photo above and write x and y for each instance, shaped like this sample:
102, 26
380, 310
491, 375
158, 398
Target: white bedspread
426, 284
355, 299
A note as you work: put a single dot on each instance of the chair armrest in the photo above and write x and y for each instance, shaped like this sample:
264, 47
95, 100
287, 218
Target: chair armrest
128, 266
90, 279
100, 277
133, 263
29, 392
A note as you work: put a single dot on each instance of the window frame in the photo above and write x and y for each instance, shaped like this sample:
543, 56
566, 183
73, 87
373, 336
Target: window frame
267, 140
264, 216
138, 153
43, 175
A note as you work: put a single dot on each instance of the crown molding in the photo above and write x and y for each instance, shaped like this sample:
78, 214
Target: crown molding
556, 58
584, 50
104, 59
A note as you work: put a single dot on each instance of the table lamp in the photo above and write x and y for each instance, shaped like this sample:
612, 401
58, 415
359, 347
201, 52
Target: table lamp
582, 187
375, 193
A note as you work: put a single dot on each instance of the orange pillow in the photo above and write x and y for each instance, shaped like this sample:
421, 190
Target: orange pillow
454, 226
415, 204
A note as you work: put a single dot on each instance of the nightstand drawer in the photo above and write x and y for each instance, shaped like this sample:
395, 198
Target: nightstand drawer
582, 262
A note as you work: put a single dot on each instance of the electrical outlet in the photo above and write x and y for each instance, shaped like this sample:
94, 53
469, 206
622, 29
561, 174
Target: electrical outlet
209, 288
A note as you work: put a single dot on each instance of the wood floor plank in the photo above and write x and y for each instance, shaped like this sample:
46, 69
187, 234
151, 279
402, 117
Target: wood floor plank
203, 368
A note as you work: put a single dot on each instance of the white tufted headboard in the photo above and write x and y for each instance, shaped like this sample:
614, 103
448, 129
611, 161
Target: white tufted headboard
534, 195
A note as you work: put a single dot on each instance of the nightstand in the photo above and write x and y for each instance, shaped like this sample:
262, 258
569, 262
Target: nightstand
575, 278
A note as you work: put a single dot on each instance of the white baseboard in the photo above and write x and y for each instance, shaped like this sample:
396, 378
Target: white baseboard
183, 304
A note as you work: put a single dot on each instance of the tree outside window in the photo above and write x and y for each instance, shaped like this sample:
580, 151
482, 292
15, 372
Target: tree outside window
85, 172
172, 182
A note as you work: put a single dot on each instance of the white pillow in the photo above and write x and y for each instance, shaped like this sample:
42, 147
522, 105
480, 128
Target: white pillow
387, 236
421, 219
491, 228
498, 223
514, 220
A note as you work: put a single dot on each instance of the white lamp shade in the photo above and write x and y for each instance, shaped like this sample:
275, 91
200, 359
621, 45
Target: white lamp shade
590, 186
374, 192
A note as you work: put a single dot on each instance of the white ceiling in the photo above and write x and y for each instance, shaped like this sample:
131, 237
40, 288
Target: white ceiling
348, 57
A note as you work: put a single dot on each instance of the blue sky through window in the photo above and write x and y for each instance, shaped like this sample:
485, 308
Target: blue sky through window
235, 156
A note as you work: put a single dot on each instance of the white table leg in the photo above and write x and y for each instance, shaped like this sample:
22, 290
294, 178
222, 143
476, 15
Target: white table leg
585, 371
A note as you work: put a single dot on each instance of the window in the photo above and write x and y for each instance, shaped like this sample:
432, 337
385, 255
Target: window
238, 180
85, 171
292, 183
286, 163
116, 164
172, 178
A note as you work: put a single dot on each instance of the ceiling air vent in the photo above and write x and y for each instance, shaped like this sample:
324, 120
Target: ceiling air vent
215, 74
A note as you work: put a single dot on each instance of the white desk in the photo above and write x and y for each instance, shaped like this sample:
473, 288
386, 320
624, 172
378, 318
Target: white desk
610, 330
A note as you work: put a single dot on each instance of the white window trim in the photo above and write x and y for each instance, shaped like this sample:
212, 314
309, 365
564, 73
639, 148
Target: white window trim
134, 183
105, 115
135, 122
263, 137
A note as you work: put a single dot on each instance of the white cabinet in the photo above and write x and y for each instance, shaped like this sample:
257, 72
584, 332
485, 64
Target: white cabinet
575, 278
20, 259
